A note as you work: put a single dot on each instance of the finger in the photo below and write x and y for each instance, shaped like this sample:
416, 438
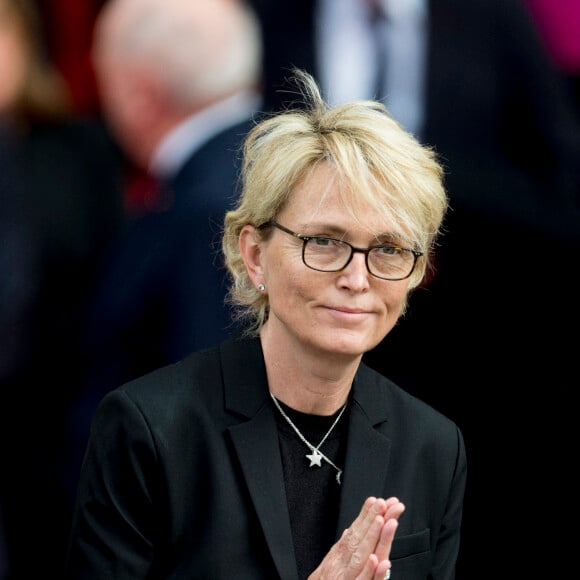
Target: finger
357, 543
351, 561
391, 502
369, 570
383, 570
385, 543
360, 548
374, 570
394, 511
358, 530
366, 507
365, 537
392, 508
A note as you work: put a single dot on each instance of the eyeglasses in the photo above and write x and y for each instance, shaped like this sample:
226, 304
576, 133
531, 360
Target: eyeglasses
325, 254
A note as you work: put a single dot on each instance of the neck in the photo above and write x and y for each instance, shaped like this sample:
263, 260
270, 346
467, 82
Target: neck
309, 382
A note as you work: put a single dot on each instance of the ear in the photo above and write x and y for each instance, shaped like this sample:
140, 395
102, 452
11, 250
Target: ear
147, 95
251, 252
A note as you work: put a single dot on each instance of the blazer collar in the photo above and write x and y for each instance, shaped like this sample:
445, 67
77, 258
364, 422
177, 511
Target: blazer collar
368, 446
246, 384
244, 373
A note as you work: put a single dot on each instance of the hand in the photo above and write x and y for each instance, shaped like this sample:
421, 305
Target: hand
364, 549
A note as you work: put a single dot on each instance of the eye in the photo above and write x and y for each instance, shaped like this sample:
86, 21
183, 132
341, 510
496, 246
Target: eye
323, 242
389, 250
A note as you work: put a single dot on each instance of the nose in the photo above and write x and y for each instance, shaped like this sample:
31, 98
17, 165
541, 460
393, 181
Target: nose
355, 275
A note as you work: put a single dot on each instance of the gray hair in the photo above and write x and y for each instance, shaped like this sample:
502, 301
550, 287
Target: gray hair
199, 49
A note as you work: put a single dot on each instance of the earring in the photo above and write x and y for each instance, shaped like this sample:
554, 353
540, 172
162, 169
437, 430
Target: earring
261, 287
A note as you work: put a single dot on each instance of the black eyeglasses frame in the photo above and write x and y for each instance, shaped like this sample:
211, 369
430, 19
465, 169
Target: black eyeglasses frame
354, 249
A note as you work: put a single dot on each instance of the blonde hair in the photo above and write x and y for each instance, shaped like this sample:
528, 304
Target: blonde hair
377, 163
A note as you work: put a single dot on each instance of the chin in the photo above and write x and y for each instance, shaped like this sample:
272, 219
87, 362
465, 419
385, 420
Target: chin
349, 344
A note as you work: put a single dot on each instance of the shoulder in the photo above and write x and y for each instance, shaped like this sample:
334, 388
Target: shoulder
412, 427
384, 400
197, 384
191, 400
162, 408
176, 382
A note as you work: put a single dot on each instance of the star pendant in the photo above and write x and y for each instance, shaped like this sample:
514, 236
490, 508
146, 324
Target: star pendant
315, 458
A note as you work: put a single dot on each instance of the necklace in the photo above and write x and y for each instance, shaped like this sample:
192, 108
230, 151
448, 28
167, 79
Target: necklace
315, 456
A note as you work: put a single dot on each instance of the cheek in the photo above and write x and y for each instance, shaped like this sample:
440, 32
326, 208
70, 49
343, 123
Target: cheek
292, 288
285, 270
395, 299
291, 285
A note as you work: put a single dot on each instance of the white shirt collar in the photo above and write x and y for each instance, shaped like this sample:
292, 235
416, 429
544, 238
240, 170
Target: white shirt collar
348, 59
409, 9
189, 136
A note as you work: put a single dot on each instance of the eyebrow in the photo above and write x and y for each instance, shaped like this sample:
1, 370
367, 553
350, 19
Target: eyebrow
335, 231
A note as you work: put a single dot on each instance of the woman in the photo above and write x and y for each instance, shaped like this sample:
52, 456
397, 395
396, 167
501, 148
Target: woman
279, 454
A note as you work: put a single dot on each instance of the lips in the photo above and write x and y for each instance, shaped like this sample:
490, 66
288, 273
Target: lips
349, 314
348, 310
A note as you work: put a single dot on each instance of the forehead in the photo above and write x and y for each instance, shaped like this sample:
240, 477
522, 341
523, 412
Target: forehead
320, 198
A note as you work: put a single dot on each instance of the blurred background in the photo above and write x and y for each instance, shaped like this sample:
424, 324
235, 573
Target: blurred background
490, 339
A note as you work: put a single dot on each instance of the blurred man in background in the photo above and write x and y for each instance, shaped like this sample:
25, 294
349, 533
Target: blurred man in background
179, 83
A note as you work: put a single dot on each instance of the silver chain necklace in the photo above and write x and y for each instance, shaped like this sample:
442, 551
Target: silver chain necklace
316, 456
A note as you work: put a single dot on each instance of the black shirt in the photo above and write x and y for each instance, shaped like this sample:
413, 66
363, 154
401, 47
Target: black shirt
313, 493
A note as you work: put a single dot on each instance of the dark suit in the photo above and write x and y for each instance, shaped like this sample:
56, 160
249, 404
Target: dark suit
183, 476
161, 295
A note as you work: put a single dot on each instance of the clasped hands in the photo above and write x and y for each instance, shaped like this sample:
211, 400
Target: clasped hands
363, 550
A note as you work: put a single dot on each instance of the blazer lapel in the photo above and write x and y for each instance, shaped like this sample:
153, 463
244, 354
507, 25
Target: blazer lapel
258, 450
367, 451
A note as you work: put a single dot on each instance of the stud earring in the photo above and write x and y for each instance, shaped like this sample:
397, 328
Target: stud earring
261, 287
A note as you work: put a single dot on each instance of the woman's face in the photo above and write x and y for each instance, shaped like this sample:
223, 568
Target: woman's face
346, 312
13, 58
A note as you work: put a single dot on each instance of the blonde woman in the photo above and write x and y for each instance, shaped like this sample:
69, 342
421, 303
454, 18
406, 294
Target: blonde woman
279, 454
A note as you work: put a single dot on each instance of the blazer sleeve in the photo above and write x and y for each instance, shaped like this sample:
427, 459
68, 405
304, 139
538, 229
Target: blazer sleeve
448, 542
113, 528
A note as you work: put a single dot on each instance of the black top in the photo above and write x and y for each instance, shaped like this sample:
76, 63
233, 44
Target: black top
313, 492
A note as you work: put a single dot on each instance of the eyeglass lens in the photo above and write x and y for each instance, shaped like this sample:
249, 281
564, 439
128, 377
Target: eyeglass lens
329, 254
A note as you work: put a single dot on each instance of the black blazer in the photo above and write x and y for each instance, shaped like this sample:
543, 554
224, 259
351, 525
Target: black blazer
183, 475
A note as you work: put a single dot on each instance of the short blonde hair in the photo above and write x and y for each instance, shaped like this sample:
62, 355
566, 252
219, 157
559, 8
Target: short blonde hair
377, 163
